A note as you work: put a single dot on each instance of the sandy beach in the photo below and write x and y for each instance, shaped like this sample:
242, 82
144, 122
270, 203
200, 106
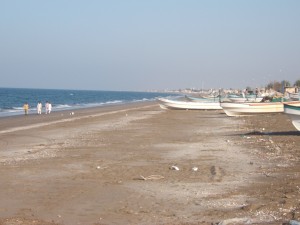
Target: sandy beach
139, 164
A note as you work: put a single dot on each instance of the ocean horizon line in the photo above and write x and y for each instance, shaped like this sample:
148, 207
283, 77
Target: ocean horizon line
67, 89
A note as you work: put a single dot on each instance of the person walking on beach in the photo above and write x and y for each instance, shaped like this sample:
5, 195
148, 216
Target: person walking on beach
46, 107
26, 107
39, 108
245, 93
49, 107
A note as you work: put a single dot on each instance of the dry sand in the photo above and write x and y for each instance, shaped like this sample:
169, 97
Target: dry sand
113, 165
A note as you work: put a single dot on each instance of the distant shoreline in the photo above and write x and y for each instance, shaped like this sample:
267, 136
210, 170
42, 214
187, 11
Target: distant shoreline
14, 121
62, 100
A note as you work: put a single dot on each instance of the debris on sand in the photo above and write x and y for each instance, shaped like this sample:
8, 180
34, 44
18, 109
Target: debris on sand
174, 168
195, 168
294, 222
151, 177
234, 221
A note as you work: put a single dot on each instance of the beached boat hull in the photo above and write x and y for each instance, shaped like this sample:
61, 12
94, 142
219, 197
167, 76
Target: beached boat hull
238, 100
176, 104
293, 111
248, 109
202, 99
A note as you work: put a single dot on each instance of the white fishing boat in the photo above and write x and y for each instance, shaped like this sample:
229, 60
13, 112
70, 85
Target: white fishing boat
178, 104
250, 98
248, 109
292, 109
202, 99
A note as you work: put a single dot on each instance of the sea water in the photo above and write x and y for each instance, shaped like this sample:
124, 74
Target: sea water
13, 99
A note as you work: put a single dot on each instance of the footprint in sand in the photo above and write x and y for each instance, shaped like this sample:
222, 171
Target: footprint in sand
217, 173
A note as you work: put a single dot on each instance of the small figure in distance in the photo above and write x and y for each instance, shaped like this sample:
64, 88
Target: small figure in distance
46, 107
49, 107
39, 108
26, 108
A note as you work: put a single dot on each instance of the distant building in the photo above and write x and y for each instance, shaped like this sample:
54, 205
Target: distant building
291, 90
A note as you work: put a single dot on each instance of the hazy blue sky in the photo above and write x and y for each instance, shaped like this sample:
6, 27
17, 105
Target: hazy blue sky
154, 44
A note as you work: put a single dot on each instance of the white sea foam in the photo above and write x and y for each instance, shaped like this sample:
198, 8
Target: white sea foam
62, 106
113, 102
17, 108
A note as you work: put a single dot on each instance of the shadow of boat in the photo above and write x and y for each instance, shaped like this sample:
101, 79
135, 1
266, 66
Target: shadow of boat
277, 133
